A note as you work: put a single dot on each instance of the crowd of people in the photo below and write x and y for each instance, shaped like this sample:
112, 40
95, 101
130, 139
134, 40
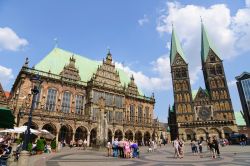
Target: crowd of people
213, 146
123, 149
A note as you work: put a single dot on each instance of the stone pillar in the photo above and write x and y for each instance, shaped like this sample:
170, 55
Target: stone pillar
222, 134
73, 137
113, 137
88, 139
102, 128
24, 158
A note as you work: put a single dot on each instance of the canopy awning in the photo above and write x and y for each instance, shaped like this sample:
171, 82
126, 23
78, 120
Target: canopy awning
7, 119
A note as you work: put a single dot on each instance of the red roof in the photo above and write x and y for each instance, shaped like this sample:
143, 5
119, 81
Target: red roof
7, 94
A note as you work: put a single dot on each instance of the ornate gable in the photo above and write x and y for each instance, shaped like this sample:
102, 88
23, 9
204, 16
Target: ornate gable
3, 99
178, 61
106, 74
132, 88
70, 71
201, 96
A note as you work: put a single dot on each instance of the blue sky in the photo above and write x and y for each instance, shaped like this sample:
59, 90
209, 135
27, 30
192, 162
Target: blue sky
137, 32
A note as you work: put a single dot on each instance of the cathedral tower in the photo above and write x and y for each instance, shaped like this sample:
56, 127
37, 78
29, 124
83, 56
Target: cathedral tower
215, 79
181, 82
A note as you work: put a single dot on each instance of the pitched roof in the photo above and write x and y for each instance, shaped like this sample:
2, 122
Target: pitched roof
55, 61
206, 44
175, 47
239, 119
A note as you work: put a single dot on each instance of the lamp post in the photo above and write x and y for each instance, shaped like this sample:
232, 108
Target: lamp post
36, 83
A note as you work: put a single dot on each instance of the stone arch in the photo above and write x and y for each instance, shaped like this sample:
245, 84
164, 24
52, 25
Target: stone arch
146, 138
65, 133
110, 134
190, 134
138, 137
201, 134
129, 135
119, 134
214, 132
33, 125
81, 133
50, 127
93, 136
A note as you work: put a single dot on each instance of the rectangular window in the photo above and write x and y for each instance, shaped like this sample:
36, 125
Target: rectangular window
140, 114
132, 113
94, 114
66, 102
79, 104
147, 114
119, 101
51, 100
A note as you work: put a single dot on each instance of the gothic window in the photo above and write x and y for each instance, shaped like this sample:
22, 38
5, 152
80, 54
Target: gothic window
225, 94
140, 113
184, 108
212, 70
221, 95
218, 69
147, 113
51, 100
119, 101
37, 99
189, 108
183, 72
180, 98
185, 97
212, 59
188, 97
222, 107
109, 116
132, 113
66, 102
108, 99
217, 95
227, 106
179, 108
217, 107
79, 104
118, 116
94, 114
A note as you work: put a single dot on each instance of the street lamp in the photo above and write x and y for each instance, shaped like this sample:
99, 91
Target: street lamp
36, 84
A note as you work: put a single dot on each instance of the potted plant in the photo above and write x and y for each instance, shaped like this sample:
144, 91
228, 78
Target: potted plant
40, 146
53, 145
30, 147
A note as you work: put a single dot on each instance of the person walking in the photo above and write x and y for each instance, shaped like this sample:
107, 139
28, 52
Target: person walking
200, 145
181, 148
109, 147
216, 146
176, 148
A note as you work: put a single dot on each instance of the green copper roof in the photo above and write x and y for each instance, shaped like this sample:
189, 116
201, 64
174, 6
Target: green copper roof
239, 119
205, 44
175, 47
58, 58
195, 92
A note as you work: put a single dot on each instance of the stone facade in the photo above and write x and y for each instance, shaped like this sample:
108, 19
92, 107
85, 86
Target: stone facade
3, 98
71, 108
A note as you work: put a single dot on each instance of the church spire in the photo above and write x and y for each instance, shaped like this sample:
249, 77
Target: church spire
175, 47
206, 43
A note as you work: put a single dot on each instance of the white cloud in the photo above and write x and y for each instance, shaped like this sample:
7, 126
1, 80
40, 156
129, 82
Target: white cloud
5, 75
9, 40
230, 34
231, 83
247, 3
144, 20
161, 82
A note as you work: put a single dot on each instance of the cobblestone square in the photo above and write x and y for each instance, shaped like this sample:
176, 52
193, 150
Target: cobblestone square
230, 155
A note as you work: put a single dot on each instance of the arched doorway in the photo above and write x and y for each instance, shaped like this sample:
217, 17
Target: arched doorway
118, 134
146, 138
129, 135
213, 132
93, 137
110, 135
81, 133
138, 137
33, 137
201, 134
65, 133
50, 127
227, 132
190, 134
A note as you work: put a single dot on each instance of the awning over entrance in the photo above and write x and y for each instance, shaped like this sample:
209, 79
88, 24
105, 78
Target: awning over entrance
7, 119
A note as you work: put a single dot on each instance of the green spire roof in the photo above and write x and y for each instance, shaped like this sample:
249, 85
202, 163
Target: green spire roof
58, 58
175, 47
206, 44
239, 119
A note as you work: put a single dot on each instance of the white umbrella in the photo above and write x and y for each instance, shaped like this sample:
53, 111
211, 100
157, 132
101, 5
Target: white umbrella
46, 134
7, 131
